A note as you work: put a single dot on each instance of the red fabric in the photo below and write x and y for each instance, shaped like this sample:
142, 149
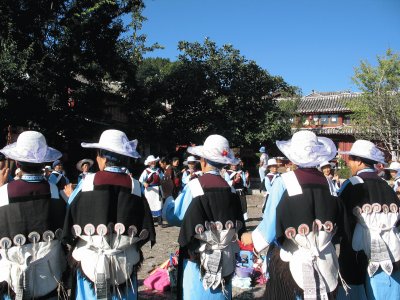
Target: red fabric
177, 182
247, 247
111, 178
154, 178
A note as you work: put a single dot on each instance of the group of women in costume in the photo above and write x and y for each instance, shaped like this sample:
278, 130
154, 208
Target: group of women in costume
100, 226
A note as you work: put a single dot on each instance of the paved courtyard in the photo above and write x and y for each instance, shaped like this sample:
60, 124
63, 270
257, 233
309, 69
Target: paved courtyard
167, 243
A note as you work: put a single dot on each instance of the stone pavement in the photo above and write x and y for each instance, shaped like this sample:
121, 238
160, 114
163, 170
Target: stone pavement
167, 243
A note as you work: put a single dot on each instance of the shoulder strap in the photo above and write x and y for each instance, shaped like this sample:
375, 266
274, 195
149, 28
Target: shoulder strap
150, 171
58, 176
136, 189
87, 184
55, 194
4, 195
356, 180
196, 188
275, 176
293, 186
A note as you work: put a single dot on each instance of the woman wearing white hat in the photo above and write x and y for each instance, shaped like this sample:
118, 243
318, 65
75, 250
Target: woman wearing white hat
369, 262
209, 214
270, 179
108, 221
263, 163
394, 170
299, 222
31, 217
58, 177
191, 172
151, 178
84, 166
326, 168
240, 181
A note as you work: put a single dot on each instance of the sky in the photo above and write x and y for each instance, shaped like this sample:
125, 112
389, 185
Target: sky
312, 44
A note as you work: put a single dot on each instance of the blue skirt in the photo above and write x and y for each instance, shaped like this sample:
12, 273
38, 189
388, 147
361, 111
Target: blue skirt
378, 287
193, 286
85, 290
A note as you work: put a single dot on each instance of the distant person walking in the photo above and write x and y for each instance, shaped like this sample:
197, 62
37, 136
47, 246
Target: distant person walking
263, 164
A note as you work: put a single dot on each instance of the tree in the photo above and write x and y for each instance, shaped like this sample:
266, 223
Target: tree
67, 63
377, 112
213, 89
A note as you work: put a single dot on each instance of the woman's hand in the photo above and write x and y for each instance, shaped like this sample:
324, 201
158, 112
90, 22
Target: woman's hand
246, 238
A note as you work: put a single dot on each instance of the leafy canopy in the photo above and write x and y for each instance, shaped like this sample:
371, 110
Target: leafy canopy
377, 112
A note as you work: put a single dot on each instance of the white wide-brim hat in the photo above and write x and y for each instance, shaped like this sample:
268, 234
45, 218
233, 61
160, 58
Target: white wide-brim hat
307, 150
272, 162
394, 166
190, 159
31, 147
84, 161
150, 159
326, 163
365, 149
216, 149
115, 141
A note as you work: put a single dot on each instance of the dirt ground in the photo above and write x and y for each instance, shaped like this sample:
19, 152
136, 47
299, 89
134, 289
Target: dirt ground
167, 243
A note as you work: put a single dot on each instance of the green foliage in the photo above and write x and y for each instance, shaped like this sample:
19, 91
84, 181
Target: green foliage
55, 51
344, 173
377, 112
214, 89
138, 40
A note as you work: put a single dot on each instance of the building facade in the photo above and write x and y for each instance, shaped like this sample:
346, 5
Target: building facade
327, 114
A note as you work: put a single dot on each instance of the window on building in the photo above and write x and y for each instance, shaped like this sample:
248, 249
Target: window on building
324, 119
346, 120
334, 119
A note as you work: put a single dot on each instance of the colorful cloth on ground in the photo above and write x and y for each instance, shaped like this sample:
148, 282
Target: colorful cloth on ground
110, 215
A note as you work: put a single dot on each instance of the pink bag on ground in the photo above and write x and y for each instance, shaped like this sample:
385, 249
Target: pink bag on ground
159, 280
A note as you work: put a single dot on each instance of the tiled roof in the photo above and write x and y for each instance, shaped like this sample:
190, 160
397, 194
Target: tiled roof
326, 102
340, 130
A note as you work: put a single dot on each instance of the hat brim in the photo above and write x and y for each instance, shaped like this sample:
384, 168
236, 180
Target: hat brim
314, 159
132, 153
146, 162
10, 151
84, 161
229, 159
332, 165
362, 156
188, 162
